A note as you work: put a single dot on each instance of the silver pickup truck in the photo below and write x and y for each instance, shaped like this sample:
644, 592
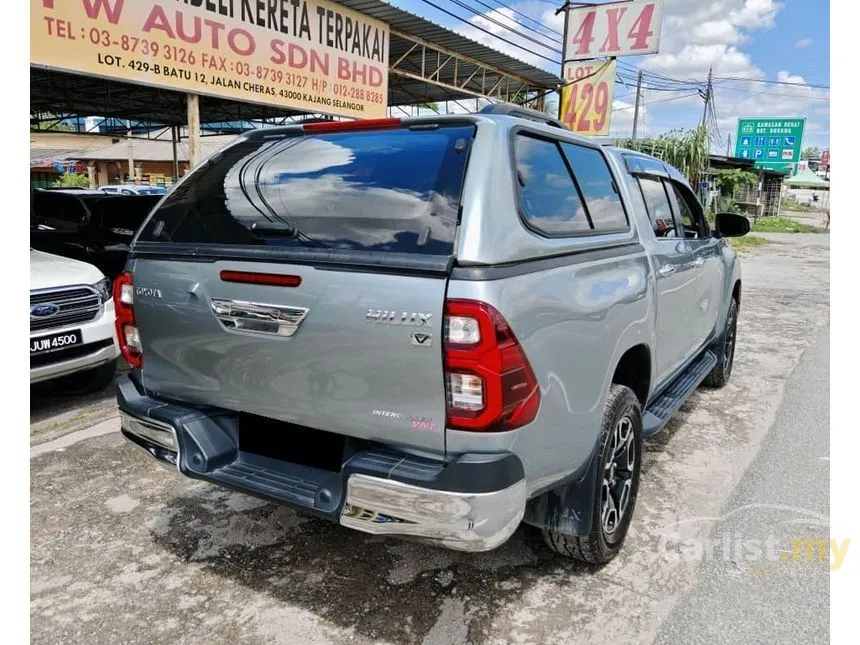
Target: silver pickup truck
434, 328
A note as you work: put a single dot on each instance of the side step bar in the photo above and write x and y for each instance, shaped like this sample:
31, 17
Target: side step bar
661, 409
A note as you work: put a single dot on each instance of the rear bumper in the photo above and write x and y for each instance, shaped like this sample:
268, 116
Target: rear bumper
472, 503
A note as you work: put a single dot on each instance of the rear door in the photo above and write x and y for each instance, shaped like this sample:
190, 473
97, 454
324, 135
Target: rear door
302, 278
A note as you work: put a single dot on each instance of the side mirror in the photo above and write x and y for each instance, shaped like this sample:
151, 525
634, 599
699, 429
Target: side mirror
731, 225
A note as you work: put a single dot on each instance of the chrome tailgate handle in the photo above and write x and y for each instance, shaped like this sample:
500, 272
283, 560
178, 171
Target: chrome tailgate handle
258, 317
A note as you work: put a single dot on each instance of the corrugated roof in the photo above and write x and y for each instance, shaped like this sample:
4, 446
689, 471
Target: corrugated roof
427, 30
154, 150
44, 154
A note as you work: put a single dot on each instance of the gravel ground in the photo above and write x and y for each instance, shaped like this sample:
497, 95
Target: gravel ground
123, 551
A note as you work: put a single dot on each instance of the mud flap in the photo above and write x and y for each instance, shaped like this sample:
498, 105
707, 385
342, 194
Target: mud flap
568, 508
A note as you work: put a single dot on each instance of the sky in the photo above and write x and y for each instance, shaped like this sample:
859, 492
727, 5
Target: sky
786, 41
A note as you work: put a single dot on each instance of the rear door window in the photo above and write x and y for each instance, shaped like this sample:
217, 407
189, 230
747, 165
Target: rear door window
59, 207
378, 190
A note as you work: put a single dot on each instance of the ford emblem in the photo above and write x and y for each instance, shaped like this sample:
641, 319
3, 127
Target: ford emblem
44, 310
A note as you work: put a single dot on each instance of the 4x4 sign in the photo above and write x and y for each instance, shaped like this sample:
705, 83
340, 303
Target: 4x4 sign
614, 29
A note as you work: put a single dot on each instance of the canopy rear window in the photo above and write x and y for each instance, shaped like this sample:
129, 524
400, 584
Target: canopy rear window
376, 190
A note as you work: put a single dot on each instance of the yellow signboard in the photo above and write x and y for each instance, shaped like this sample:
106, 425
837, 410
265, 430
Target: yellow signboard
312, 55
586, 98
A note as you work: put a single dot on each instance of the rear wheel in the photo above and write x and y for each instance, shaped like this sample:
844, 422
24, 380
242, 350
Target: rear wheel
719, 376
617, 483
88, 381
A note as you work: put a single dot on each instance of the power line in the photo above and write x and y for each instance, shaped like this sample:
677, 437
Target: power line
489, 18
761, 80
647, 103
519, 13
747, 91
490, 33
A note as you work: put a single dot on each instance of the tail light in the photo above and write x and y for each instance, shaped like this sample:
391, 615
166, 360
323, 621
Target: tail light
489, 384
126, 329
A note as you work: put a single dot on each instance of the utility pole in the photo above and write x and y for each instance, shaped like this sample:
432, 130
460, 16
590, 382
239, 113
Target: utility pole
707, 97
636, 109
130, 142
729, 146
565, 9
193, 101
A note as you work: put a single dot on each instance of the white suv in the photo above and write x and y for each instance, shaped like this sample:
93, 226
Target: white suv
72, 324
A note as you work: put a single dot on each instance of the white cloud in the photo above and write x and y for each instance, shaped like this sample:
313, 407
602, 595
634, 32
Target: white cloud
717, 32
803, 42
621, 121
499, 22
756, 14
696, 36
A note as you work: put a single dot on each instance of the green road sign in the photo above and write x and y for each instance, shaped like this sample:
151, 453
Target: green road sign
773, 143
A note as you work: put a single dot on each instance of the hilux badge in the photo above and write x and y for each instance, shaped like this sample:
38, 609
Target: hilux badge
393, 317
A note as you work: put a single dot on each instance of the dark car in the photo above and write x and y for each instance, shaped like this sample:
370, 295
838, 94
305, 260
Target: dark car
90, 226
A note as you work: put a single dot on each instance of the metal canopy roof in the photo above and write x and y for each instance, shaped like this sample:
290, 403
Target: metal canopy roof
427, 63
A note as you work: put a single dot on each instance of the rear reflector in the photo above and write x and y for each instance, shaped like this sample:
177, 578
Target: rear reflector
269, 279
360, 124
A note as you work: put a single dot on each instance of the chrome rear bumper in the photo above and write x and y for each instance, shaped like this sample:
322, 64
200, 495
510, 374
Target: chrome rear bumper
461, 521
473, 502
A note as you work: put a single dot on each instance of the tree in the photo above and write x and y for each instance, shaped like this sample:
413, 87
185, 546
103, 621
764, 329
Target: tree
687, 150
72, 180
813, 152
728, 181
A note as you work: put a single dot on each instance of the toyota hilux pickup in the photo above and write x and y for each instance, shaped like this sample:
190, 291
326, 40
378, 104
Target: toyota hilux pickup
433, 328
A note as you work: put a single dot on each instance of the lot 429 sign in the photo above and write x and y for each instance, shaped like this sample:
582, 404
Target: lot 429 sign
586, 98
614, 29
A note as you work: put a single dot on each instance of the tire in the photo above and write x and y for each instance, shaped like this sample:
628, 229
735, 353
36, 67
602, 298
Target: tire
618, 470
88, 381
721, 372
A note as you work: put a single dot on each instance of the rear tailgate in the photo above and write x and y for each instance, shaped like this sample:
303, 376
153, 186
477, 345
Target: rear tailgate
357, 228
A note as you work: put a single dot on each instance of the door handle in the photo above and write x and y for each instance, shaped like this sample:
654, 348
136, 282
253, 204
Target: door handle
666, 269
699, 261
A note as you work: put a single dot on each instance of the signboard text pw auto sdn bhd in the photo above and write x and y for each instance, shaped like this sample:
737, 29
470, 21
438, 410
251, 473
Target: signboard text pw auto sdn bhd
309, 55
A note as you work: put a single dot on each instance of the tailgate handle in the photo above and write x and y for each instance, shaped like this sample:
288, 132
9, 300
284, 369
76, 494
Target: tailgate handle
258, 317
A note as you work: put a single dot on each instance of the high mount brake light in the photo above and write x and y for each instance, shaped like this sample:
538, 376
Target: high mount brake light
343, 126
489, 383
127, 333
268, 279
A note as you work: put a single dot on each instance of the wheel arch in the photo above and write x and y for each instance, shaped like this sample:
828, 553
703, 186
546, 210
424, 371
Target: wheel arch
633, 369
